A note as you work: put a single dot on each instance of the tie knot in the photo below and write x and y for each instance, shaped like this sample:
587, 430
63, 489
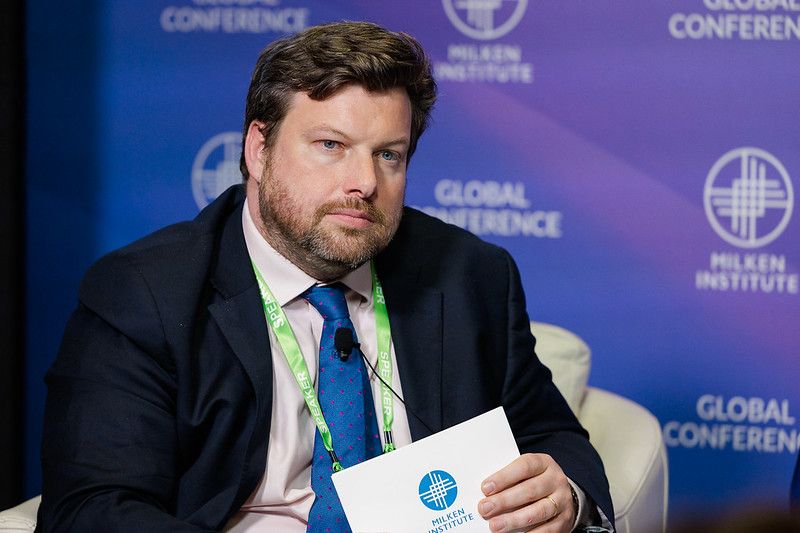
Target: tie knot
328, 300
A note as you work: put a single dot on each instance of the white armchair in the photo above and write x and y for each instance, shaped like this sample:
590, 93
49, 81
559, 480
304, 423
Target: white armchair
625, 434
20, 519
627, 437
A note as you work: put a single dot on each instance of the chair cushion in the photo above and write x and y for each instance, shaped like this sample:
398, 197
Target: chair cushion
20, 519
567, 357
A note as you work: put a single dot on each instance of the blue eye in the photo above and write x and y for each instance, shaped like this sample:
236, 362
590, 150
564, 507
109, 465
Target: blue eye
388, 155
329, 145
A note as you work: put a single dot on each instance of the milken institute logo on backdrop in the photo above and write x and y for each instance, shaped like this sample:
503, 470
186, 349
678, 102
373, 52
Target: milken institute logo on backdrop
216, 167
484, 20
479, 18
748, 199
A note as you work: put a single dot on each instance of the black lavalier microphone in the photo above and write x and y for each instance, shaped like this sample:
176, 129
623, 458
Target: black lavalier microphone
344, 343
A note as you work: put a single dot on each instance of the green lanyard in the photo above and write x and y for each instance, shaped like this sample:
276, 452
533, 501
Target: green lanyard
277, 321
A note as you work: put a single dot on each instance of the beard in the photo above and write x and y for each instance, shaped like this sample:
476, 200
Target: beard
324, 251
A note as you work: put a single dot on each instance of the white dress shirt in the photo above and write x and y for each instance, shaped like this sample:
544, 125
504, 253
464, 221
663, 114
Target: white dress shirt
283, 499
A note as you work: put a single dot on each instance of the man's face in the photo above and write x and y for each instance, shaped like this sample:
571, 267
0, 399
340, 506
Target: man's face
331, 192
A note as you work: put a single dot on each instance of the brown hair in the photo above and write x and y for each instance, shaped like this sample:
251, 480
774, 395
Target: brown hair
322, 59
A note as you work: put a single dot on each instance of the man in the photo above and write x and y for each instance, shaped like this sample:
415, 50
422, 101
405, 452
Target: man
205, 380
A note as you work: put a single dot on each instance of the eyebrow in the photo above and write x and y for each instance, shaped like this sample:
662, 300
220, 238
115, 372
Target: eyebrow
325, 129
402, 141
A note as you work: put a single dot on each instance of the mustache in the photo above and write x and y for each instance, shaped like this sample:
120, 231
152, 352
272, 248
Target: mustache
373, 213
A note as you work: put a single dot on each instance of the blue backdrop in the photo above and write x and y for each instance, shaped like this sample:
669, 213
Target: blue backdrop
637, 158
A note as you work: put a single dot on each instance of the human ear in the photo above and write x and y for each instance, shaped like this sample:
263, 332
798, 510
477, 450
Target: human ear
254, 145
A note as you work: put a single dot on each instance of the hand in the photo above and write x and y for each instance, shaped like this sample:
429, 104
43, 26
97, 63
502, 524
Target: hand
530, 494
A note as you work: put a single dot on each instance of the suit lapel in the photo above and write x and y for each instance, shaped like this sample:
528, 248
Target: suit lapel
239, 314
245, 331
415, 315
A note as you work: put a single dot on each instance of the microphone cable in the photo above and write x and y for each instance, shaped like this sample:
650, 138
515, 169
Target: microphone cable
344, 343
377, 375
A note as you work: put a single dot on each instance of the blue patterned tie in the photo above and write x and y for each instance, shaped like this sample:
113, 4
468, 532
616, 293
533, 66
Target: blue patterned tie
346, 400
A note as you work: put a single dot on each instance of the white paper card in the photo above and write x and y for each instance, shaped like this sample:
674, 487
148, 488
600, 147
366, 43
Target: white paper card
432, 485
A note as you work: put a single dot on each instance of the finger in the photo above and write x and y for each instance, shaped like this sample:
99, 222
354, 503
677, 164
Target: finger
531, 517
523, 467
521, 494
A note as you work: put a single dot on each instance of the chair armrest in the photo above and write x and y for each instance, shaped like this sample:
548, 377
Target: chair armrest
629, 440
20, 519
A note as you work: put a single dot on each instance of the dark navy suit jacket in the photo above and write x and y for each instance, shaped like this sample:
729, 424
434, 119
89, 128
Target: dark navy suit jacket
159, 403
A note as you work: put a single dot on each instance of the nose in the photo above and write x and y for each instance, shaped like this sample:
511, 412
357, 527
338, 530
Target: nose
362, 177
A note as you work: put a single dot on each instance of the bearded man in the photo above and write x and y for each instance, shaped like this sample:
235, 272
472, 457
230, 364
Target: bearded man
216, 372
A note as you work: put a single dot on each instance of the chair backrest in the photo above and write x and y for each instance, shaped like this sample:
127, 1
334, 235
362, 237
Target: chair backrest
567, 357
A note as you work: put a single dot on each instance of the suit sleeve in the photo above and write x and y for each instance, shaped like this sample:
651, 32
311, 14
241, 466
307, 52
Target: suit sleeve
538, 414
109, 442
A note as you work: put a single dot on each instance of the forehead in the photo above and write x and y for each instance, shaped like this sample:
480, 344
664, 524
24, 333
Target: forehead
354, 111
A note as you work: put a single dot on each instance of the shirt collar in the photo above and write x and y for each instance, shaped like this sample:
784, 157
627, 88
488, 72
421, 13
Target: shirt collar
285, 279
